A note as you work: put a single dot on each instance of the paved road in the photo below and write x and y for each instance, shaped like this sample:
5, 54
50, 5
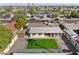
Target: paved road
70, 46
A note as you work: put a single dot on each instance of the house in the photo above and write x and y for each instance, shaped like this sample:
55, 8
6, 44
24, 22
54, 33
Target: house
70, 29
11, 26
72, 26
70, 20
73, 38
8, 15
4, 21
41, 15
45, 31
71, 33
36, 24
45, 19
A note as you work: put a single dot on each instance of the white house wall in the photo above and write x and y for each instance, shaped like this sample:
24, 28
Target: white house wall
43, 35
37, 35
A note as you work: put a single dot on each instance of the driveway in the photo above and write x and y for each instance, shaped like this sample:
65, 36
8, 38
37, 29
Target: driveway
20, 44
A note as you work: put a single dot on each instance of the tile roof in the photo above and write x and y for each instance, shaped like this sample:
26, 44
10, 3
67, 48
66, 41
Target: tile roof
11, 26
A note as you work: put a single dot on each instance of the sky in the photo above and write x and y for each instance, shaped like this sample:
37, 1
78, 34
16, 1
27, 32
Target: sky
45, 4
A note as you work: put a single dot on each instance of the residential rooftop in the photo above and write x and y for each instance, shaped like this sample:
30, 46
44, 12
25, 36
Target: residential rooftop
70, 20
72, 26
42, 24
70, 32
11, 26
37, 24
45, 30
43, 19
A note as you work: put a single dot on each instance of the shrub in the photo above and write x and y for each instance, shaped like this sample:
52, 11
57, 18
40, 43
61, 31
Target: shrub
5, 37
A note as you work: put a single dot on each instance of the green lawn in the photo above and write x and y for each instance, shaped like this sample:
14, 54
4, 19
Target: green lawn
42, 44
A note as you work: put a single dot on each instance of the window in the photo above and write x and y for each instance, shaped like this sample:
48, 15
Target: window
33, 34
40, 33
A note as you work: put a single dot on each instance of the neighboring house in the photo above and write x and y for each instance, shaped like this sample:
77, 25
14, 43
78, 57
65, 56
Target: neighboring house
41, 15
70, 20
36, 24
44, 19
70, 28
73, 37
4, 21
70, 34
45, 31
11, 26
73, 26
8, 15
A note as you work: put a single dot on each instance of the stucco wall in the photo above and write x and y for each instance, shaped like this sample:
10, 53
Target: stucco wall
37, 35
43, 35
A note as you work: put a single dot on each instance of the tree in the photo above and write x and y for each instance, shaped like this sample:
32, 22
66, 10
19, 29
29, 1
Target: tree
5, 37
32, 10
20, 23
8, 9
55, 15
67, 13
74, 14
21, 15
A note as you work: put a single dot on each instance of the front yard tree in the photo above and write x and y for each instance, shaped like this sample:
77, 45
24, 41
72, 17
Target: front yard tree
5, 37
20, 23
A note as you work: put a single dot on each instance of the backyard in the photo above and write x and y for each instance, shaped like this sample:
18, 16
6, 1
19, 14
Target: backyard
42, 43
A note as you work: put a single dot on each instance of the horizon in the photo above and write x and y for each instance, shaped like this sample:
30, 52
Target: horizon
39, 4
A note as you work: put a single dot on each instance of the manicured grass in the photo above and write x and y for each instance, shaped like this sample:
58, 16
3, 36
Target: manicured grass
42, 44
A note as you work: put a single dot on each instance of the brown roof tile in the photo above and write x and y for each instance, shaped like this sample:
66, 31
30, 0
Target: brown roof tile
11, 26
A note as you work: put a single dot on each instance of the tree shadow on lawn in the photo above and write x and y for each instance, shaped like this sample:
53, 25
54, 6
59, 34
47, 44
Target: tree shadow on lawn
31, 41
